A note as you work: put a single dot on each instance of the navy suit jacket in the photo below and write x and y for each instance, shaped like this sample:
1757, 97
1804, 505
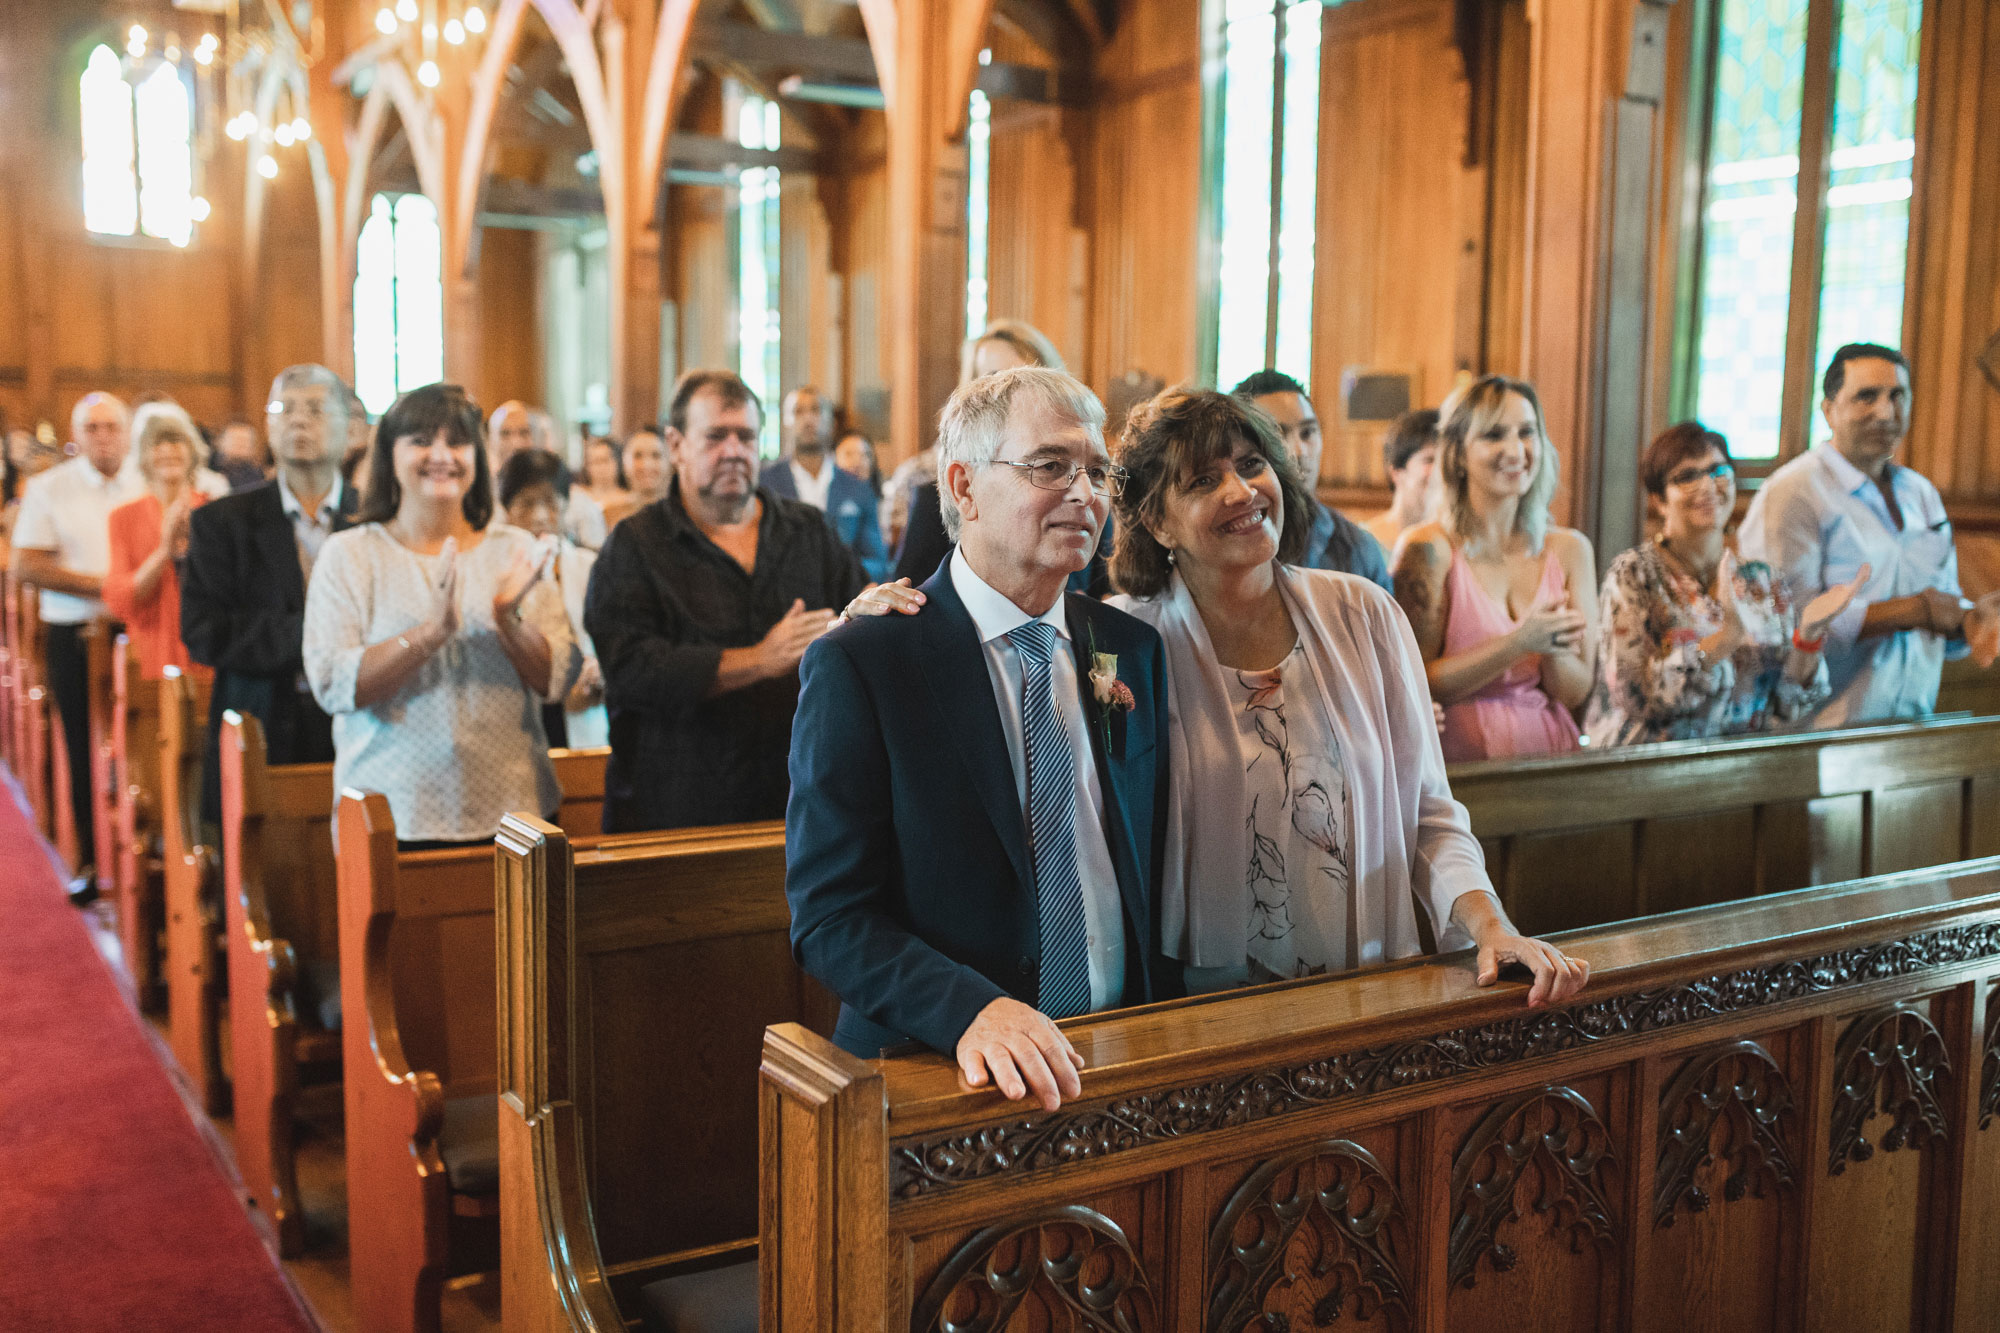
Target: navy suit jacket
851, 507
906, 846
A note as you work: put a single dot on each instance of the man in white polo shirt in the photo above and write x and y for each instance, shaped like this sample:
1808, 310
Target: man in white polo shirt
62, 545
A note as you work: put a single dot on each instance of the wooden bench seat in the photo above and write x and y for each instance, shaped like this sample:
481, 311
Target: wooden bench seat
1772, 1114
138, 867
637, 977
1600, 836
419, 1055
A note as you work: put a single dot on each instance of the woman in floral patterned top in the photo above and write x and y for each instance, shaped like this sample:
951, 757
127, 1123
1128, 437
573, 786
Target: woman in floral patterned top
1696, 645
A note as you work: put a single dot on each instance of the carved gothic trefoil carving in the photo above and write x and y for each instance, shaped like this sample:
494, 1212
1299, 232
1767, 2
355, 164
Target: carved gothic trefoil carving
1559, 1134
1736, 1090
1307, 1239
1065, 1268
1890, 1060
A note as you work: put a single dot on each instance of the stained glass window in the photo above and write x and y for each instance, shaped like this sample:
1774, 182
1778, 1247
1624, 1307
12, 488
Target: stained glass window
978, 173
1869, 178
398, 300
138, 154
1746, 305
758, 251
1269, 124
1747, 222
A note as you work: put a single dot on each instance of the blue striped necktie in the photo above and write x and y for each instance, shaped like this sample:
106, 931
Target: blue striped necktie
1065, 972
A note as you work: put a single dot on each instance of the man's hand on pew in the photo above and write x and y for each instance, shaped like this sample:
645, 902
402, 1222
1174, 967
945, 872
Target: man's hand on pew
1021, 1052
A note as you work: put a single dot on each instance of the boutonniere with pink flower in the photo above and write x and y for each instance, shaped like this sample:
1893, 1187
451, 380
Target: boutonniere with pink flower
1112, 694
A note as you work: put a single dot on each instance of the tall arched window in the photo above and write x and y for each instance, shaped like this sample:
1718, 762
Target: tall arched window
398, 300
138, 148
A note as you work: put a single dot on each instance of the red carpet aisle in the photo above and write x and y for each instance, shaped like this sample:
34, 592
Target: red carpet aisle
113, 1213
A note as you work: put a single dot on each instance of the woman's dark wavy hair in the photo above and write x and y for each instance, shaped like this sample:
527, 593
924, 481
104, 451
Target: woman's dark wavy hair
423, 413
1167, 440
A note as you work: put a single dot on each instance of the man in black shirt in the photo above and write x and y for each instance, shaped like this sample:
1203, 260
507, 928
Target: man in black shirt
701, 605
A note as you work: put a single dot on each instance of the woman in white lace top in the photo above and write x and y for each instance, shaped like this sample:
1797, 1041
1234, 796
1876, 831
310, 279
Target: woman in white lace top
433, 637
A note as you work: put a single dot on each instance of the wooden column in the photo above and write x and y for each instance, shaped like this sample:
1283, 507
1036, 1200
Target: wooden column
1597, 73
926, 53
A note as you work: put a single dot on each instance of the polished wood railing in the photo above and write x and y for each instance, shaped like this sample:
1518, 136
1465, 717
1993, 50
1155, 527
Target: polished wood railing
1767, 1114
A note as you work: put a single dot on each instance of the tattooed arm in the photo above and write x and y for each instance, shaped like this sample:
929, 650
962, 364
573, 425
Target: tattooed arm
1422, 562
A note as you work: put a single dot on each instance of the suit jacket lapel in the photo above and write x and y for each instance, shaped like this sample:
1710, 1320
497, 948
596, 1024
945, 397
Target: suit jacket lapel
1110, 774
954, 667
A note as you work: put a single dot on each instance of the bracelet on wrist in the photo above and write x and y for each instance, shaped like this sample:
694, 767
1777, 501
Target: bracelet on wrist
1806, 645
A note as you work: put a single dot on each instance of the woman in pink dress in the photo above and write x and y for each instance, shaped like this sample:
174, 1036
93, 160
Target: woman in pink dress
1503, 604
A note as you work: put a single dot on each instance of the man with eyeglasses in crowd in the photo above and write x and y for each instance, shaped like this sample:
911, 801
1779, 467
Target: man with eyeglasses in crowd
1846, 503
250, 557
978, 789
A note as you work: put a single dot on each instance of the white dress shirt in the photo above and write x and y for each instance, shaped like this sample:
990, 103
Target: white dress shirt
68, 510
311, 530
815, 491
1816, 522
995, 617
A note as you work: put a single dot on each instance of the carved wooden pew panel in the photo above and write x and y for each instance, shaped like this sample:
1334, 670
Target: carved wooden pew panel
189, 873
1591, 838
637, 978
138, 873
420, 1060
1769, 1114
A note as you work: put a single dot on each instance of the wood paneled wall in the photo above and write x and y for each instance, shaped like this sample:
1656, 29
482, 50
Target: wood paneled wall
1402, 218
1142, 197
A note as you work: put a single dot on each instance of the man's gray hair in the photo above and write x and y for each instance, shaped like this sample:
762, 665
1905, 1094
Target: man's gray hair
974, 422
90, 400
307, 374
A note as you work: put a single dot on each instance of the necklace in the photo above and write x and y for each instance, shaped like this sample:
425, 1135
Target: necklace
1703, 579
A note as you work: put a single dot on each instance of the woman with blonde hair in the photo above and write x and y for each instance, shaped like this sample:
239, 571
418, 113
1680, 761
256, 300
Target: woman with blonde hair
1502, 603
149, 535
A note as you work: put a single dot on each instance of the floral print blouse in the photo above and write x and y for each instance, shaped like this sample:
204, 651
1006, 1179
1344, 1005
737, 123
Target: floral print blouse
1298, 827
1654, 684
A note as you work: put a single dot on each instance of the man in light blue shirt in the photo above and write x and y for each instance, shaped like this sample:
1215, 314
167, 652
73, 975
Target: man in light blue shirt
1845, 504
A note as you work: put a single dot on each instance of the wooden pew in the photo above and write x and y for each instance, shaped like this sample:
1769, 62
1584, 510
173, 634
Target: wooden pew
138, 890
1609, 835
190, 876
1966, 688
418, 1011
100, 701
1772, 1114
636, 980
28, 718
282, 947
9, 648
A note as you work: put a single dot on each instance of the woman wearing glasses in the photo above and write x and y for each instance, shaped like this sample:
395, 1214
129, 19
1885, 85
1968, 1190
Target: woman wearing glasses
1697, 644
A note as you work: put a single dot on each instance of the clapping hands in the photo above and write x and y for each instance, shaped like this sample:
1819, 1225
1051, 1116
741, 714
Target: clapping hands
1821, 611
526, 570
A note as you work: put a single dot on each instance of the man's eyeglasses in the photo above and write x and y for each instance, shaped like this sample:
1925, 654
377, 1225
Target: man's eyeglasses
1059, 474
1688, 476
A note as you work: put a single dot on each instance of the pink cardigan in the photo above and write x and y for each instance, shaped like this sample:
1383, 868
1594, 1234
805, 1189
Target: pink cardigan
1412, 841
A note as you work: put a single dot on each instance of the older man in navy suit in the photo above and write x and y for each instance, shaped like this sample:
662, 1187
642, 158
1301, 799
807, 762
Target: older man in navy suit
807, 473
978, 790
